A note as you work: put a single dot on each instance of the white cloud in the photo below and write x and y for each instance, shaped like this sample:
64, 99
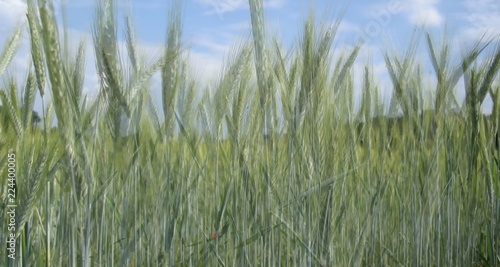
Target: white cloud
207, 42
423, 12
482, 17
223, 6
206, 66
209, 46
347, 27
274, 3
12, 12
417, 12
219, 7
133, 4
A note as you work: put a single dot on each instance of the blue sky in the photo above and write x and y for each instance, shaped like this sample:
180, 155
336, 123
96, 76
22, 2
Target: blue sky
212, 26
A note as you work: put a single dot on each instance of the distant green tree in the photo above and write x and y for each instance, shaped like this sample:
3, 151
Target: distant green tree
5, 120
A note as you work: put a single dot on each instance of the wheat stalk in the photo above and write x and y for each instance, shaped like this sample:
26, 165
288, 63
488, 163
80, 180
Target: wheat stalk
36, 47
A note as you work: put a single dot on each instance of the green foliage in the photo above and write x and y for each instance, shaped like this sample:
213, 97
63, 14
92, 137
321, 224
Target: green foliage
328, 186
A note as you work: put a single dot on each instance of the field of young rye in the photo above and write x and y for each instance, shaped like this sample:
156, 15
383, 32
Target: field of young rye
273, 167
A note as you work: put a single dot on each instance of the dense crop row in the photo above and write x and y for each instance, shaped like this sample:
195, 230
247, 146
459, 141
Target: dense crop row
273, 167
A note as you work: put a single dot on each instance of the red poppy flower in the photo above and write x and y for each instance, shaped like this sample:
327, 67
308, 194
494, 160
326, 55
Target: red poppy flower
214, 235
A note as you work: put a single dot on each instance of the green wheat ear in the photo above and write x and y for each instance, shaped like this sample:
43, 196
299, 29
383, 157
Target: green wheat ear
36, 47
261, 64
29, 101
10, 104
10, 49
171, 70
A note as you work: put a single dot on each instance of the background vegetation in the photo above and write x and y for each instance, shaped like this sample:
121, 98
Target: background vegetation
272, 167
